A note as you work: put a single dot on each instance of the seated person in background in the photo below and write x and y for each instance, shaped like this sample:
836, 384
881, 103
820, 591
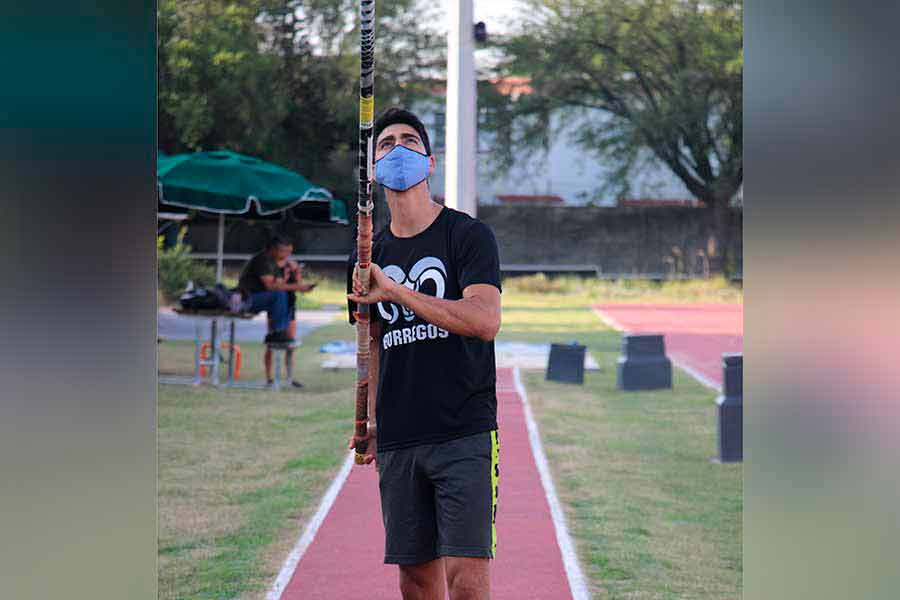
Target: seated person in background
291, 273
263, 288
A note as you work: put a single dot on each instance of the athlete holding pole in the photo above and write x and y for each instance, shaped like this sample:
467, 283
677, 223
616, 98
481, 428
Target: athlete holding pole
435, 305
426, 302
434, 300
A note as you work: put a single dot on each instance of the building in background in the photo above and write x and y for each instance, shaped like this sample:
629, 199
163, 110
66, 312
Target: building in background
567, 175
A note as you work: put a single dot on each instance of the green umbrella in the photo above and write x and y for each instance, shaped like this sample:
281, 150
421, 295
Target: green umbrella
224, 182
229, 183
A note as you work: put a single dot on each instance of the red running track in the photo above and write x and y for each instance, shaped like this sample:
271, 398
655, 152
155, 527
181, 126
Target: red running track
346, 558
696, 335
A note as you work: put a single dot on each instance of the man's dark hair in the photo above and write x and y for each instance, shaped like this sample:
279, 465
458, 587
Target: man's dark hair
278, 240
395, 115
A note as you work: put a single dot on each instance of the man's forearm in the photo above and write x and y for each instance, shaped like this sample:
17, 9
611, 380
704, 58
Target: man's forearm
470, 317
280, 286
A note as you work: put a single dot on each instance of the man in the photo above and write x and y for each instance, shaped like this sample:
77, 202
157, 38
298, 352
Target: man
435, 307
290, 272
262, 288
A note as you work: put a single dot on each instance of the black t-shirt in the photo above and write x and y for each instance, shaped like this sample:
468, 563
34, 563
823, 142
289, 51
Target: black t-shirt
261, 264
433, 385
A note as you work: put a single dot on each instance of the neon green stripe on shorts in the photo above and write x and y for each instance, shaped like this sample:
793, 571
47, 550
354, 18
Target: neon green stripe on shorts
495, 481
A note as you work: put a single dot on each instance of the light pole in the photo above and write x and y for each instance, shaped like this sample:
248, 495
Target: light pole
462, 147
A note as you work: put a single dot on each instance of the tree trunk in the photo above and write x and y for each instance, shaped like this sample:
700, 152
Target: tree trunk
718, 249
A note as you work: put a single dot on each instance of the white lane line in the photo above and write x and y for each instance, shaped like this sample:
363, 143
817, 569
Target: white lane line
290, 565
703, 379
612, 323
570, 559
696, 374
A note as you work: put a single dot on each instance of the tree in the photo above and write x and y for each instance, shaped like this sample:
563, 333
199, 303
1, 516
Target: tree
317, 42
214, 82
667, 74
279, 79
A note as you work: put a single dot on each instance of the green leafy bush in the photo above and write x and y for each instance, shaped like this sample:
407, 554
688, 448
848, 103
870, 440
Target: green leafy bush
176, 268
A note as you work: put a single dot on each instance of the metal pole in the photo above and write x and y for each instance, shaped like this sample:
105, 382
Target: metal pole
289, 365
214, 340
459, 183
221, 247
277, 355
231, 352
197, 343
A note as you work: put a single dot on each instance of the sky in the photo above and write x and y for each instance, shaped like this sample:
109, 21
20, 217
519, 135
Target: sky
494, 13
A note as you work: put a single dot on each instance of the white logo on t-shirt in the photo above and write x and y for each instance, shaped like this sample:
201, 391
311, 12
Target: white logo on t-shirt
426, 269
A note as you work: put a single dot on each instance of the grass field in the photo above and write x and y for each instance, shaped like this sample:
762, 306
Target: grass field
240, 472
538, 290
651, 516
573, 289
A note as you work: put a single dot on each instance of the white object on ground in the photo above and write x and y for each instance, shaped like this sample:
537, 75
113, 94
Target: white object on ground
508, 354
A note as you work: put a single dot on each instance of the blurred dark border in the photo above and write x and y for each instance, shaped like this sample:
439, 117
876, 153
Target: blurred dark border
78, 361
77, 370
822, 274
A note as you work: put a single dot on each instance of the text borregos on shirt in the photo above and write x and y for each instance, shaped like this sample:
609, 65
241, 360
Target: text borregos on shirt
416, 333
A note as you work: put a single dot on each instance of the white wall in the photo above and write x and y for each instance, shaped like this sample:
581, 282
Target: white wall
567, 171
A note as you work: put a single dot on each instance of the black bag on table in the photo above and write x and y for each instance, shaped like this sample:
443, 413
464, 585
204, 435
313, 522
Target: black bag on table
202, 298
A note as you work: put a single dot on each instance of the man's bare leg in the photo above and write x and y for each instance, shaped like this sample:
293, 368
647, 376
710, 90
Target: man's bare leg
424, 581
468, 578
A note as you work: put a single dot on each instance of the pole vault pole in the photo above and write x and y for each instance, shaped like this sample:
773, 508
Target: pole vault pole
365, 207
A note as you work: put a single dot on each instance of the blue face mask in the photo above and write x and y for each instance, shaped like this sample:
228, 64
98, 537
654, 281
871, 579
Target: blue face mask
401, 169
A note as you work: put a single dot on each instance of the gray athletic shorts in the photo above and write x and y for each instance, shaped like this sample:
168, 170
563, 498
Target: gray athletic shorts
440, 499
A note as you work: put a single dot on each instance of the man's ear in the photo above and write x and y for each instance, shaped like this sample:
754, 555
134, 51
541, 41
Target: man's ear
432, 165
